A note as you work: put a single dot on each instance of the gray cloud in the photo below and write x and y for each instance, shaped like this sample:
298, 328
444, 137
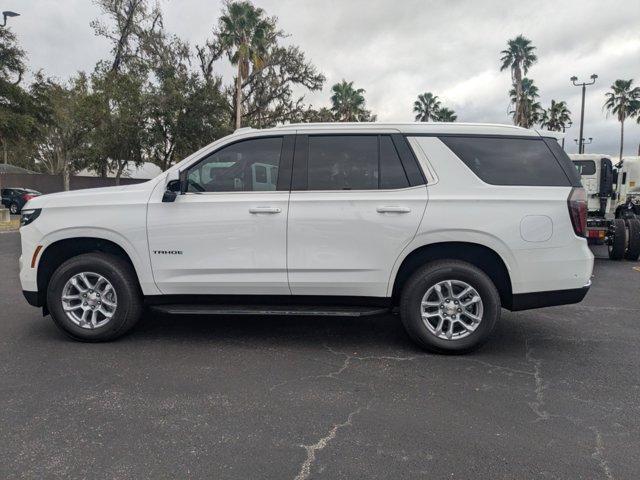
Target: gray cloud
398, 49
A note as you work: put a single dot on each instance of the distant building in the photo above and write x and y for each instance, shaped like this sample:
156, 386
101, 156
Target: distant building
6, 169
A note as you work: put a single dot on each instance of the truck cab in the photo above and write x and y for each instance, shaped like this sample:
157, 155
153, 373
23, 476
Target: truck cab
611, 216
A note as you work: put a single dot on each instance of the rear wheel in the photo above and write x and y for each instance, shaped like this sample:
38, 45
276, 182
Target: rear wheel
449, 306
94, 297
633, 247
617, 242
14, 209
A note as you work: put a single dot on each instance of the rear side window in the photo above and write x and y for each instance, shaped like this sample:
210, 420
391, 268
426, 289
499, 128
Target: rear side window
354, 162
509, 161
392, 174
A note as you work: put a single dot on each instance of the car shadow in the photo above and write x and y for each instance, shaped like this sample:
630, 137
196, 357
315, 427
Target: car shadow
362, 334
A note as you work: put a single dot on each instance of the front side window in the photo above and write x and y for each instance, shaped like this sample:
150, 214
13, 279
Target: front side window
354, 162
509, 161
251, 165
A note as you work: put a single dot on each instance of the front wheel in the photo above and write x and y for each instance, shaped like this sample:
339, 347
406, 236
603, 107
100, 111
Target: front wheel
449, 306
94, 297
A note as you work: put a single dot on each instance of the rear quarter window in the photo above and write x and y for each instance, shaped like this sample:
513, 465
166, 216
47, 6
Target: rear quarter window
509, 161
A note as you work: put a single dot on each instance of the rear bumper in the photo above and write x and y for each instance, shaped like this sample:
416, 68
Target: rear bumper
527, 301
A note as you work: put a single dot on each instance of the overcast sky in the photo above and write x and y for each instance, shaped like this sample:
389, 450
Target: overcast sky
398, 49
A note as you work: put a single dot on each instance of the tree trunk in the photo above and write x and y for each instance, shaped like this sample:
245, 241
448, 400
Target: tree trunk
65, 176
121, 166
517, 76
621, 139
239, 97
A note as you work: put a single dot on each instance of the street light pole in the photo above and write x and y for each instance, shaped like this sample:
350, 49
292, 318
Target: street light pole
7, 14
584, 85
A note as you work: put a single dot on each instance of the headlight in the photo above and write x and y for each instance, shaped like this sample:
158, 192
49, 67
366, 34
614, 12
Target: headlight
28, 216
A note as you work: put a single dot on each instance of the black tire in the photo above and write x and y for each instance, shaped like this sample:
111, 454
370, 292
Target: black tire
633, 247
123, 279
618, 244
14, 209
428, 276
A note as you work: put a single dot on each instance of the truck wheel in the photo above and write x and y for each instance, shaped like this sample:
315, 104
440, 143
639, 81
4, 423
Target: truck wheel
617, 244
449, 306
633, 249
94, 297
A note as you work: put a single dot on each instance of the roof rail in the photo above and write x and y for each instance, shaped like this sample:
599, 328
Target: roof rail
243, 129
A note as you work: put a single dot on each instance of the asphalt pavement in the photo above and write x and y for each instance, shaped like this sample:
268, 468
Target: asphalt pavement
555, 394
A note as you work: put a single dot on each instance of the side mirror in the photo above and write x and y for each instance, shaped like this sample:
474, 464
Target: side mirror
171, 193
169, 196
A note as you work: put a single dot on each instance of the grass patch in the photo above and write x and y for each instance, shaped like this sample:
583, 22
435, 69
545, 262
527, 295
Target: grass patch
11, 226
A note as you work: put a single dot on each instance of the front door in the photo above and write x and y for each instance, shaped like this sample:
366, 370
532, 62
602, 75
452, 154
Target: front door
352, 211
227, 234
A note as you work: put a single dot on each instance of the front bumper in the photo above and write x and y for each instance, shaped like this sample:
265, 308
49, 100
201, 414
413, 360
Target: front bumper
528, 301
32, 298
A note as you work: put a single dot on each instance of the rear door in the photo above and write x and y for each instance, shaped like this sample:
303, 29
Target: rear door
356, 202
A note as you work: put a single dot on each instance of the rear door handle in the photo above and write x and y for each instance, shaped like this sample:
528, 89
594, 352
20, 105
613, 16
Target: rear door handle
390, 209
265, 210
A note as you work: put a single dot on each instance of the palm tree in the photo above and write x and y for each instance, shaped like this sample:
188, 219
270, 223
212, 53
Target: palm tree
518, 57
530, 109
246, 35
446, 115
348, 103
426, 107
557, 117
623, 101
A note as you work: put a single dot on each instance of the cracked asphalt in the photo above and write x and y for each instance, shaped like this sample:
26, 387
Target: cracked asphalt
555, 394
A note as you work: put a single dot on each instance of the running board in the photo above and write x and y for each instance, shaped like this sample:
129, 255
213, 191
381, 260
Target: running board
294, 310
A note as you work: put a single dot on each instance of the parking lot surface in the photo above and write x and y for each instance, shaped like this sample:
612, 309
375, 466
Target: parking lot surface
554, 394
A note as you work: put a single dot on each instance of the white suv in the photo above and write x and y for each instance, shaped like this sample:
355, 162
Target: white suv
445, 223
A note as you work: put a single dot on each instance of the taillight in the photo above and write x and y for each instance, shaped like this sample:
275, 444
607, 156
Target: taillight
26, 197
577, 203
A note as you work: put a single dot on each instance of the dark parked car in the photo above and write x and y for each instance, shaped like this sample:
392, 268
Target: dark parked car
15, 198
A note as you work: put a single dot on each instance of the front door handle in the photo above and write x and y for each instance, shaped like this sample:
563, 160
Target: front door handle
391, 209
265, 210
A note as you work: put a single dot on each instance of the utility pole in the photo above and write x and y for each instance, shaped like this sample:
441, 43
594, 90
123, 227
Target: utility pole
584, 85
584, 142
4, 213
564, 127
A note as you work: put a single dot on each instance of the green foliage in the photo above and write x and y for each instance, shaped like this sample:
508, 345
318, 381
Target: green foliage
429, 108
527, 111
518, 58
246, 35
426, 107
446, 115
348, 103
11, 57
64, 133
623, 101
557, 117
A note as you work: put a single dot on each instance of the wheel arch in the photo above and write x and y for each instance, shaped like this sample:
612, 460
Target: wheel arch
483, 257
59, 251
